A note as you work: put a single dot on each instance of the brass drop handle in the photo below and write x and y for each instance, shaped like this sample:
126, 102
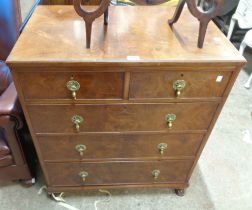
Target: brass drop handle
81, 148
162, 147
77, 120
155, 173
73, 86
170, 118
83, 175
178, 86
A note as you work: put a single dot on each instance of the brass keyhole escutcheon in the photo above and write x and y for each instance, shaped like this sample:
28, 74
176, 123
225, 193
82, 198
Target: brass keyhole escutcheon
178, 86
73, 86
162, 147
155, 173
77, 120
81, 148
83, 175
170, 118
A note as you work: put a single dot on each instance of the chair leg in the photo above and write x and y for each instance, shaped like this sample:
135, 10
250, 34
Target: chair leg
28, 182
177, 12
231, 28
88, 33
241, 51
247, 84
242, 47
106, 17
202, 33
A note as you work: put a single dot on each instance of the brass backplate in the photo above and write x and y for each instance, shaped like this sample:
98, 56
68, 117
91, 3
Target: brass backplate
170, 117
73, 85
179, 85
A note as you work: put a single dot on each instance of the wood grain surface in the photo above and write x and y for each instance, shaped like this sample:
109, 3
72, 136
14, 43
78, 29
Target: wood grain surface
52, 85
199, 84
55, 34
126, 81
61, 148
118, 173
121, 117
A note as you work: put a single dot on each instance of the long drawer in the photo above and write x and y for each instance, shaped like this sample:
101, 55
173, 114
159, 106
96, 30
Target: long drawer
121, 117
90, 85
107, 173
191, 84
118, 146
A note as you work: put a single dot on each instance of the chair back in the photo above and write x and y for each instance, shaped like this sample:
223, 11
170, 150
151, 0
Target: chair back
243, 14
228, 7
10, 21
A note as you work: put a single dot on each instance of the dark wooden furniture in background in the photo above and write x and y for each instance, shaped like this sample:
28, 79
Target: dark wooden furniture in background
204, 17
10, 16
13, 164
135, 110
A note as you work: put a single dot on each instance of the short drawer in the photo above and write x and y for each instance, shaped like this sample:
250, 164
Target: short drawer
112, 173
166, 84
119, 146
121, 117
53, 85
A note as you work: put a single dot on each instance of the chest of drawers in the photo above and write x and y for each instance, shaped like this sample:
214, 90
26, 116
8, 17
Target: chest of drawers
135, 110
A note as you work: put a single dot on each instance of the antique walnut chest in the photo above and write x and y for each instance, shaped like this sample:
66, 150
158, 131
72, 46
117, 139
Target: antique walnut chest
135, 110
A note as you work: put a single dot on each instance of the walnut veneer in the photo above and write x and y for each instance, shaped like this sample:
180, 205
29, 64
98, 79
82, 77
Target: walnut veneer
126, 93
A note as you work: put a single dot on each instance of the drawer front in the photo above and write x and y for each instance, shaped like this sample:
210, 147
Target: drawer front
198, 84
53, 85
118, 117
112, 146
109, 173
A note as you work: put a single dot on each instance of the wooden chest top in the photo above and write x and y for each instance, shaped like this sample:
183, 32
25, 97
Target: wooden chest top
56, 35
